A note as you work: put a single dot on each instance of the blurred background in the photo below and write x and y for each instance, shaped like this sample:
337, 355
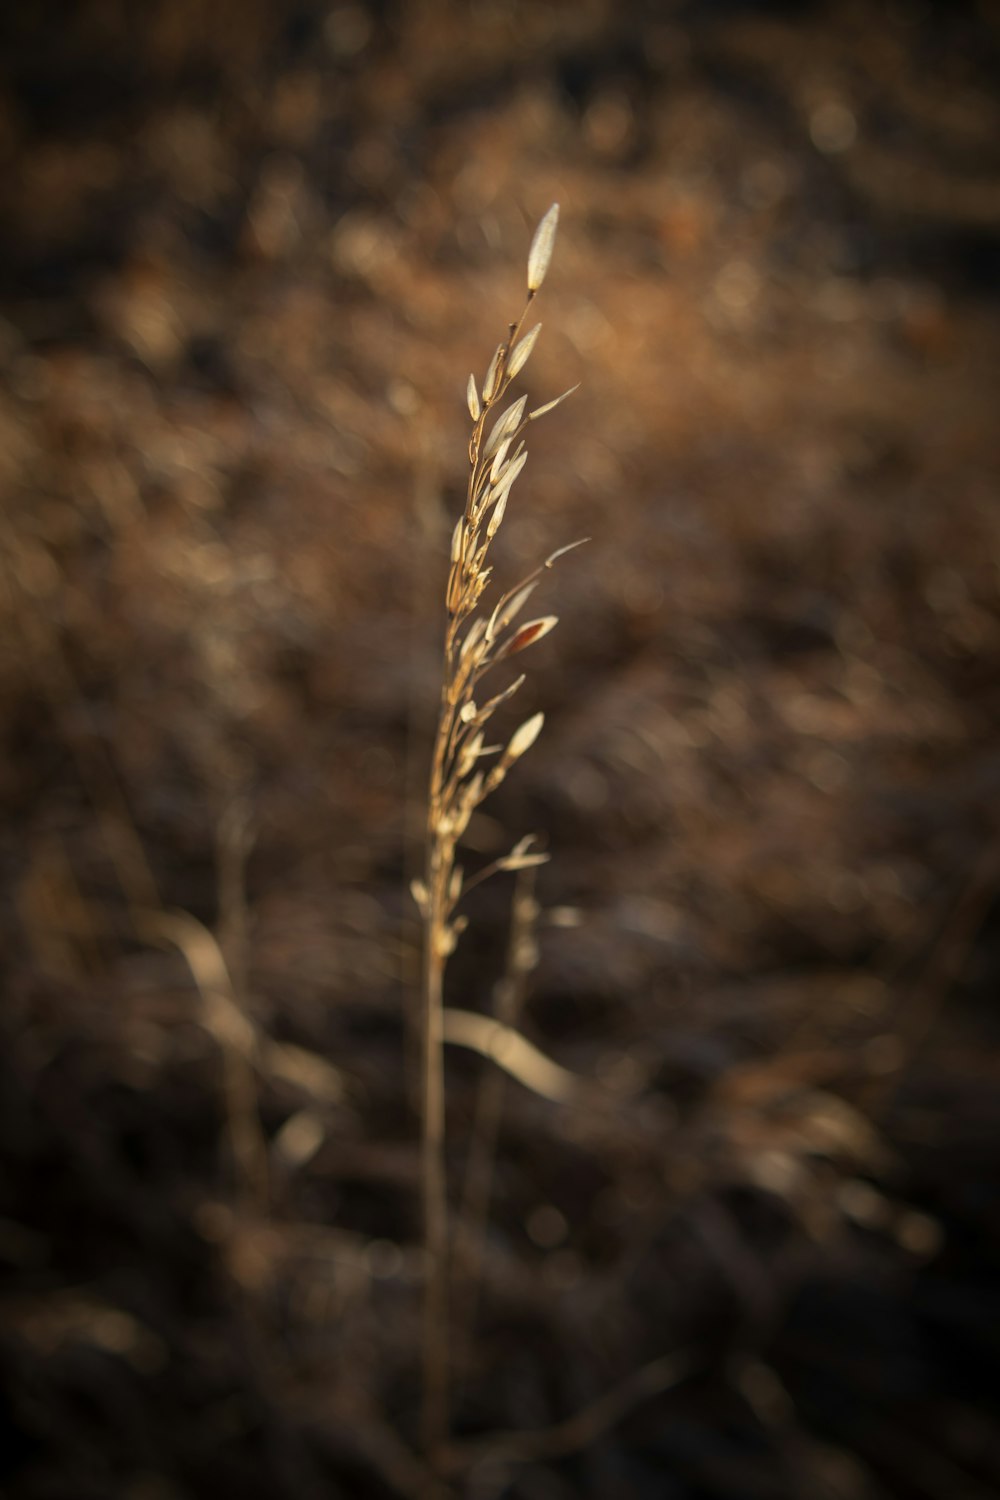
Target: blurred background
251, 251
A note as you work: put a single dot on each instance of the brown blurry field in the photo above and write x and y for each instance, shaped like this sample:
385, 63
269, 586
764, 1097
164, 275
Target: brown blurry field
251, 252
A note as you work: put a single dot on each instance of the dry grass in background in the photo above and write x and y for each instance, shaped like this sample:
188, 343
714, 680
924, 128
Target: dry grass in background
245, 259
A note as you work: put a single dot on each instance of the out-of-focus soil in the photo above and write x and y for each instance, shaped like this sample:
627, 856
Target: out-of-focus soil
251, 252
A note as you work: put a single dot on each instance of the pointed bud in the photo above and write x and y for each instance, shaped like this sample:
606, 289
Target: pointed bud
469, 754
506, 611
421, 896
492, 380
510, 473
505, 425
528, 635
522, 351
499, 457
540, 411
523, 738
497, 516
541, 248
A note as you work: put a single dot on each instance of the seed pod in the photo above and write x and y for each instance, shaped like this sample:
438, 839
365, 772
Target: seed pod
497, 516
522, 739
498, 496
506, 611
472, 638
510, 473
540, 411
421, 896
498, 459
492, 380
445, 939
540, 253
472, 396
522, 350
528, 634
505, 425
469, 754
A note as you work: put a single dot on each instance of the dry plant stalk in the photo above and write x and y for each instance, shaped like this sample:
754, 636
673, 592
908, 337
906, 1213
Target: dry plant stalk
510, 993
465, 770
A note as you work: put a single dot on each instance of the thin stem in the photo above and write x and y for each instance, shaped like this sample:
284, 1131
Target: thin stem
480, 1162
440, 856
435, 1208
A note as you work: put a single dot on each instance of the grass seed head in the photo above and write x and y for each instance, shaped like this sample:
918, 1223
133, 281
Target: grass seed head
506, 425
492, 382
540, 411
522, 351
540, 253
522, 739
528, 634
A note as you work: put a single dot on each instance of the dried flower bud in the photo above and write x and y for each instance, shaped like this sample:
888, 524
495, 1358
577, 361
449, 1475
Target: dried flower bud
445, 939
523, 738
471, 637
509, 474
469, 754
497, 516
421, 896
472, 396
505, 425
506, 610
522, 351
498, 459
528, 635
471, 795
540, 411
540, 253
492, 380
